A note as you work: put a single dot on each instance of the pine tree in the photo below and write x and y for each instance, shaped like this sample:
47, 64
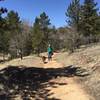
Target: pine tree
3, 35
44, 24
14, 31
89, 18
41, 32
37, 36
73, 14
13, 21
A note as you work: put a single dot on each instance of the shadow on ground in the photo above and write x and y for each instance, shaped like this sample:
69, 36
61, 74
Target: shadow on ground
32, 82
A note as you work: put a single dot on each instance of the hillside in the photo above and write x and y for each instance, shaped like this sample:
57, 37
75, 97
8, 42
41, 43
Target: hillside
66, 77
86, 58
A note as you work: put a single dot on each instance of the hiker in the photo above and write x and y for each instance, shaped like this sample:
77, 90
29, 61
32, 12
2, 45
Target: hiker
50, 52
20, 53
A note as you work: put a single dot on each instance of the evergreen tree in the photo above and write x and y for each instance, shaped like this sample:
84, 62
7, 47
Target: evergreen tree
37, 36
73, 14
3, 35
44, 24
14, 31
89, 18
41, 32
72, 35
13, 21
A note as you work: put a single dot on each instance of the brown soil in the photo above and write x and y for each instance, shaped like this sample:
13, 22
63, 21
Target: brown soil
71, 90
66, 88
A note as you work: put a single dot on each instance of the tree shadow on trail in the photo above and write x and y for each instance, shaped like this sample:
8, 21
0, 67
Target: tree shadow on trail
31, 82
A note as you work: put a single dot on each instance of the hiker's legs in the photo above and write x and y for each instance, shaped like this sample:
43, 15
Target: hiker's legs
49, 56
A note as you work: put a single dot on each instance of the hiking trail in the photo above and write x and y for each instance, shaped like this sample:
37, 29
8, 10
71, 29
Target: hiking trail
70, 90
55, 88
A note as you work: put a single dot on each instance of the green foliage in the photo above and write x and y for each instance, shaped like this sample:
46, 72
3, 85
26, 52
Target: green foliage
14, 35
73, 14
41, 33
89, 18
4, 45
3, 36
85, 21
13, 21
44, 24
44, 20
37, 35
14, 31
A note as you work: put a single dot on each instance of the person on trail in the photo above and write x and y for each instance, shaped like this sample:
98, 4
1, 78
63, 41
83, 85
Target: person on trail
50, 52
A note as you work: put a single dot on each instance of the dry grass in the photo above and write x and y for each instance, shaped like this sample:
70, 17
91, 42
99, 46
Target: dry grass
89, 59
30, 61
86, 58
50, 82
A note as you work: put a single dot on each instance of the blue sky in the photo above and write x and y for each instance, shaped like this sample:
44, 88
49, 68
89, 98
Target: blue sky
29, 9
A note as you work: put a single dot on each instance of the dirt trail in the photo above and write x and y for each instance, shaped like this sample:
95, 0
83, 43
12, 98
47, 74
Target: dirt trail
70, 90
65, 89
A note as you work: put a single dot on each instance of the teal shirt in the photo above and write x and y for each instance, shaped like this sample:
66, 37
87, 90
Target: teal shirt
49, 49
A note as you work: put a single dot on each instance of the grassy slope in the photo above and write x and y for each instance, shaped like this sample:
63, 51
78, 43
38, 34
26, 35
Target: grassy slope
88, 58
